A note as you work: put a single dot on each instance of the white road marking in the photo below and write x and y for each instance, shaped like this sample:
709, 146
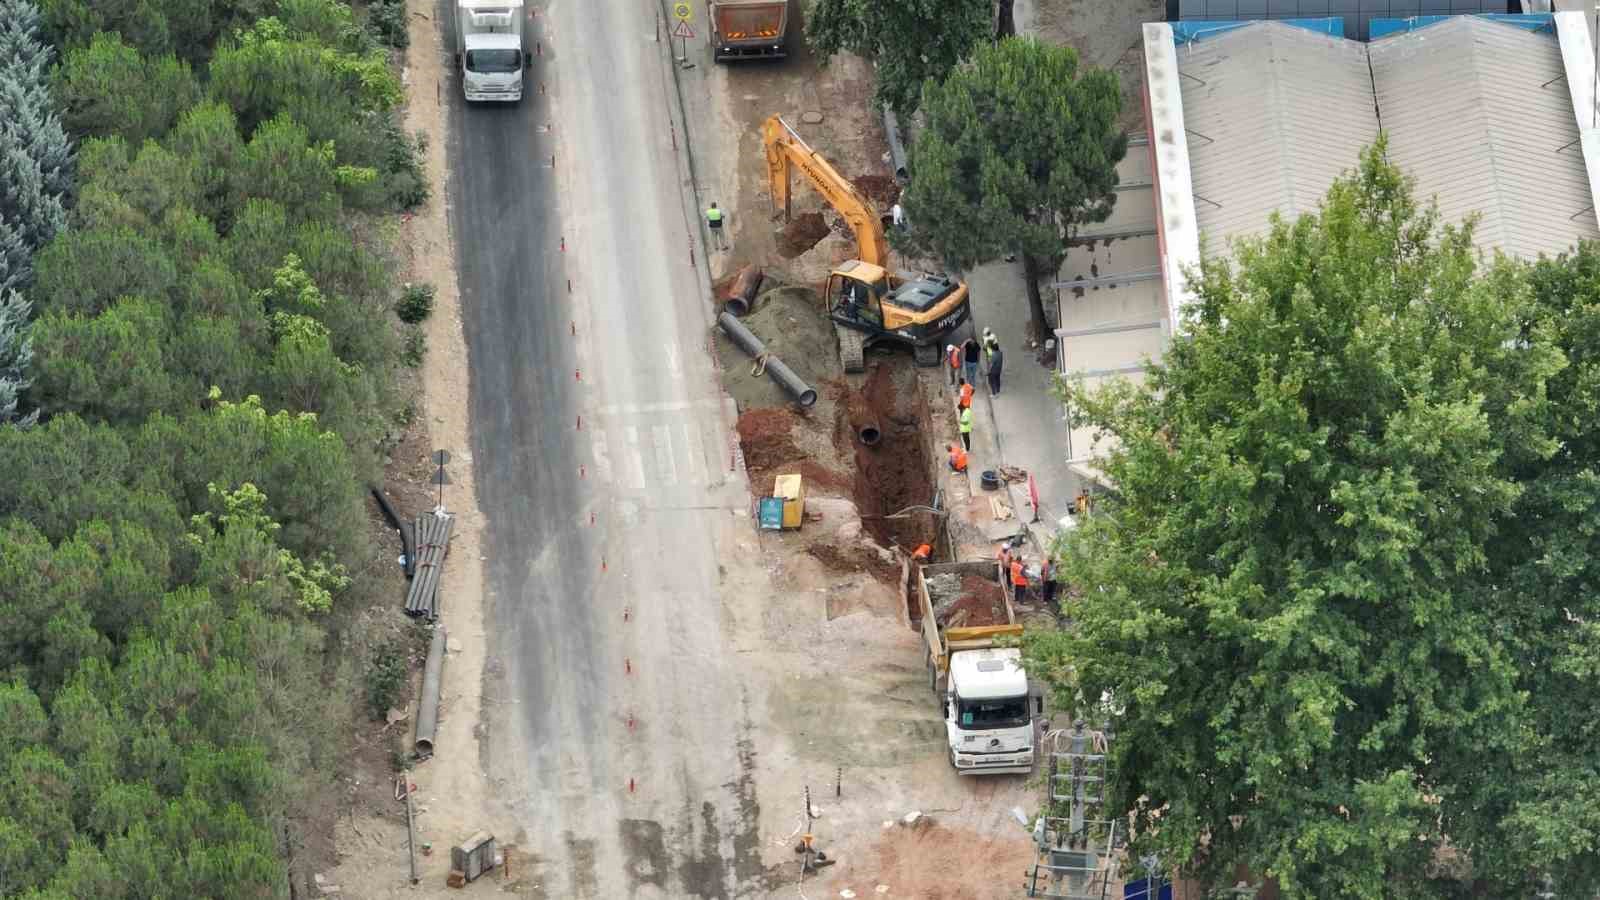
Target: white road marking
630, 409
602, 455
635, 460
666, 468
674, 363
696, 452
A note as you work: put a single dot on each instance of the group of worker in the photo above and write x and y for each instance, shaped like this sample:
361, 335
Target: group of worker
1015, 573
963, 364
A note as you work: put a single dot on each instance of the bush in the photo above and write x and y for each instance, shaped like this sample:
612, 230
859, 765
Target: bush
386, 678
408, 186
416, 348
416, 303
388, 19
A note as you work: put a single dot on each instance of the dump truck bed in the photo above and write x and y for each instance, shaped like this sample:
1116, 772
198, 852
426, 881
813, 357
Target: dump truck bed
748, 29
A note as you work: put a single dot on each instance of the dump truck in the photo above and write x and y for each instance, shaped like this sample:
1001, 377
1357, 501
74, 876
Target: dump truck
748, 29
988, 704
491, 49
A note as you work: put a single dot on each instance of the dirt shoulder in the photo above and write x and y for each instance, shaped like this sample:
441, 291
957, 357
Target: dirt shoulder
453, 797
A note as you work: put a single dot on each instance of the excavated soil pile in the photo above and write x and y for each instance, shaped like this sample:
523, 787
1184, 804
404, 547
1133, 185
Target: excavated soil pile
790, 323
883, 190
767, 435
894, 474
968, 600
982, 603
801, 234
855, 558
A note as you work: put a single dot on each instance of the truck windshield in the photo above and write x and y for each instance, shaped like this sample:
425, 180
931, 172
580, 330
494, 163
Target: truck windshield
1002, 712
494, 61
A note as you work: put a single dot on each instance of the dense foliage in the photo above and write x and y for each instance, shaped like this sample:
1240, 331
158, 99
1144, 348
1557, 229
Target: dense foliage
910, 41
1343, 603
1020, 148
208, 340
35, 175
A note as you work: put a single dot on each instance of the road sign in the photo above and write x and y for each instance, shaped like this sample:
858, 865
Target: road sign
683, 31
683, 11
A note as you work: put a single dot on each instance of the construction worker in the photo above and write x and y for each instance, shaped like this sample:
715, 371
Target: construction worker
953, 357
969, 359
1004, 556
965, 400
1019, 579
923, 551
990, 341
964, 422
958, 458
1084, 503
997, 360
714, 222
1047, 581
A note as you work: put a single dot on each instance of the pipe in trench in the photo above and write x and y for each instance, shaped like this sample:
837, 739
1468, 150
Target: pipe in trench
428, 705
782, 374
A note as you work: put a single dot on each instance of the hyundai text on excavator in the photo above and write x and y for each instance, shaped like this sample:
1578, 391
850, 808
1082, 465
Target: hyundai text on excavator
866, 302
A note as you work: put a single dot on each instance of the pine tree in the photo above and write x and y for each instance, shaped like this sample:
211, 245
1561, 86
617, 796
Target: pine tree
16, 263
24, 201
36, 128
25, 94
16, 352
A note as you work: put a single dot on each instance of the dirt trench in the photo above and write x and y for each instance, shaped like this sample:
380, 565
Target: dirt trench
893, 475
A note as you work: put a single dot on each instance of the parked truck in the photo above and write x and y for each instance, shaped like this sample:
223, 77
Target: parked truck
491, 49
988, 705
749, 29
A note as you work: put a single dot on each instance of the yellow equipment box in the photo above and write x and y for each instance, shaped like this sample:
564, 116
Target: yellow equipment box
792, 490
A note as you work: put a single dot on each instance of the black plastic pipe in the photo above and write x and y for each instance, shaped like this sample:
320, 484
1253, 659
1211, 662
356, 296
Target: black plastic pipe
782, 374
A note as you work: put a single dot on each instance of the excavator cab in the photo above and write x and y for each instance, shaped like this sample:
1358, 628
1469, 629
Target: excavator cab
857, 296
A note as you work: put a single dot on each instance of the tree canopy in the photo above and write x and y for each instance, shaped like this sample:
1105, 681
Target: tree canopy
911, 41
195, 305
1019, 149
1340, 607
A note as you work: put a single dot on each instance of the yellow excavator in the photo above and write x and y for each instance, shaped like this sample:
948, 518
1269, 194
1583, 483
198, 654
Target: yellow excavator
866, 302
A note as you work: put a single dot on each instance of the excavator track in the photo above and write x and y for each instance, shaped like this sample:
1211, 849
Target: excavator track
926, 355
852, 349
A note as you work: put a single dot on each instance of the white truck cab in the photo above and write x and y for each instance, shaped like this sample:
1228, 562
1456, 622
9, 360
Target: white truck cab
989, 712
490, 49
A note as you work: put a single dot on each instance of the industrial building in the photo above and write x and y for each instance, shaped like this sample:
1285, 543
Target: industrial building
1493, 116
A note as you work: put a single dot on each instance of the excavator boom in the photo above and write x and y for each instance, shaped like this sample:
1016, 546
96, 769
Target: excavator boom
785, 148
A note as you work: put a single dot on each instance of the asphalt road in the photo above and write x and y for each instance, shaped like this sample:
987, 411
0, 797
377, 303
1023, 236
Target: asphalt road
601, 459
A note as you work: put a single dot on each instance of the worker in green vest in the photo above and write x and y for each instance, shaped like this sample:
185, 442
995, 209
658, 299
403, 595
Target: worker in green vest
714, 222
965, 421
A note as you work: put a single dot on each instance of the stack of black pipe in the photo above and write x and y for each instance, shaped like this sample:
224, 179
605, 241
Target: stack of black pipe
433, 542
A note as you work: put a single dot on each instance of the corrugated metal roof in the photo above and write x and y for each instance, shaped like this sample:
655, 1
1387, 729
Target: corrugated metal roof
1479, 113
1357, 14
1273, 114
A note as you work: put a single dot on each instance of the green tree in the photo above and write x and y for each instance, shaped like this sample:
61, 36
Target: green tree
1020, 150
1292, 604
85, 271
106, 87
911, 41
111, 366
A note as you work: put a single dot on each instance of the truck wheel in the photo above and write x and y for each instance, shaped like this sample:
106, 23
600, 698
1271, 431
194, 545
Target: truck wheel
852, 349
926, 355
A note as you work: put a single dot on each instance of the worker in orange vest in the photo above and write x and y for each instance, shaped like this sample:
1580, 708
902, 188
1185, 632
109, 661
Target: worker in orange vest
923, 551
952, 355
1019, 580
958, 458
966, 396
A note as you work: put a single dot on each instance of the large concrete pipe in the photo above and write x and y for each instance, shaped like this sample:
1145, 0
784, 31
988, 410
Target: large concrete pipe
742, 298
428, 705
749, 343
897, 149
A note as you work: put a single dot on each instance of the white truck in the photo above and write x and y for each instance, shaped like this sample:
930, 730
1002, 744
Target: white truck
491, 49
988, 705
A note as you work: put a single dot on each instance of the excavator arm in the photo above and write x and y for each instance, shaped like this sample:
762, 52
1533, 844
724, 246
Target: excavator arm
785, 149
